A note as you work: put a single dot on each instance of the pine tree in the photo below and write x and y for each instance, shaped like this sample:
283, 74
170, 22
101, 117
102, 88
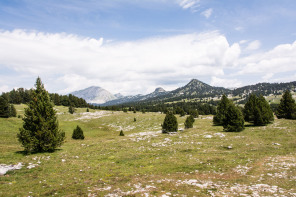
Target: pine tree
12, 111
249, 109
221, 111
258, 111
234, 120
265, 110
78, 133
4, 108
71, 109
121, 133
170, 123
40, 131
287, 107
189, 122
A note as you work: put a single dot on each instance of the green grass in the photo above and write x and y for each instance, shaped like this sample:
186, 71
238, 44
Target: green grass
176, 164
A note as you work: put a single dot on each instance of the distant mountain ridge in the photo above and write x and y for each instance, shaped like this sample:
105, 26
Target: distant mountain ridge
194, 89
157, 92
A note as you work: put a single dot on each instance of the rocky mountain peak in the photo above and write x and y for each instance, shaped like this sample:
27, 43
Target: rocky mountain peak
94, 94
196, 83
159, 90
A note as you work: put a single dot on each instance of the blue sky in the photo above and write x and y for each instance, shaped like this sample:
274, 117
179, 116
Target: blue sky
133, 46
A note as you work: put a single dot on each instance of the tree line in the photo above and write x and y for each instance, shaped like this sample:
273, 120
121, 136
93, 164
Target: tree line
181, 108
21, 95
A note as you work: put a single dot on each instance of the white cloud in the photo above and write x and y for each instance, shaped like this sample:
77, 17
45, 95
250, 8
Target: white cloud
4, 88
186, 4
239, 28
256, 44
280, 59
207, 13
267, 77
229, 83
70, 62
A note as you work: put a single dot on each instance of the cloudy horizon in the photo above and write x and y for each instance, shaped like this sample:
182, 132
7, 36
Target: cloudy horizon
133, 47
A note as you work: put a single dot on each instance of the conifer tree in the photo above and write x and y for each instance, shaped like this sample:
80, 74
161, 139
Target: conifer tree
287, 107
221, 111
170, 123
249, 109
189, 122
121, 133
71, 109
40, 131
229, 116
266, 112
258, 111
12, 111
4, 108
78, 133
234, 120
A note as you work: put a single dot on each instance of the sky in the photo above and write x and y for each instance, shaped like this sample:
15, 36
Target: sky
134, 46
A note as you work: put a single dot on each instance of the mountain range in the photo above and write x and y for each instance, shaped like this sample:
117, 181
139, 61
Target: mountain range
194, 89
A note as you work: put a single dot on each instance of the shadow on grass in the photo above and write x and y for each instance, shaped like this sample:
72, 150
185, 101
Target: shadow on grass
36, 152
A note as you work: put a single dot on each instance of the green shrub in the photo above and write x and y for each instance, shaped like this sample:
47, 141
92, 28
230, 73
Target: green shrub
71, 109
170, 123
121, 133
78, 133
189, 122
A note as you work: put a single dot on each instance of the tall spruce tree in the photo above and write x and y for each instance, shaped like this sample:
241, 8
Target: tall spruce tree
287, 107
40, 131
221, 111
229, 116
12, 111
266, 112
4, 108
234, 119
258, 111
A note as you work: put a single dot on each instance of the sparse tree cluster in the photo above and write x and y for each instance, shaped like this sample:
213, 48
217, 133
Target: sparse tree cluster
229, 116
258, 111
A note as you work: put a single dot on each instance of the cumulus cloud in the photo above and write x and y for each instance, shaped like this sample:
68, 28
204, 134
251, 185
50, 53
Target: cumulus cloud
280, 59
207, 13
127, 67
254, 45
229, 83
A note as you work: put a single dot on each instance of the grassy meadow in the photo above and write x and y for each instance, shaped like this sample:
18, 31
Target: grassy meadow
202, 161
